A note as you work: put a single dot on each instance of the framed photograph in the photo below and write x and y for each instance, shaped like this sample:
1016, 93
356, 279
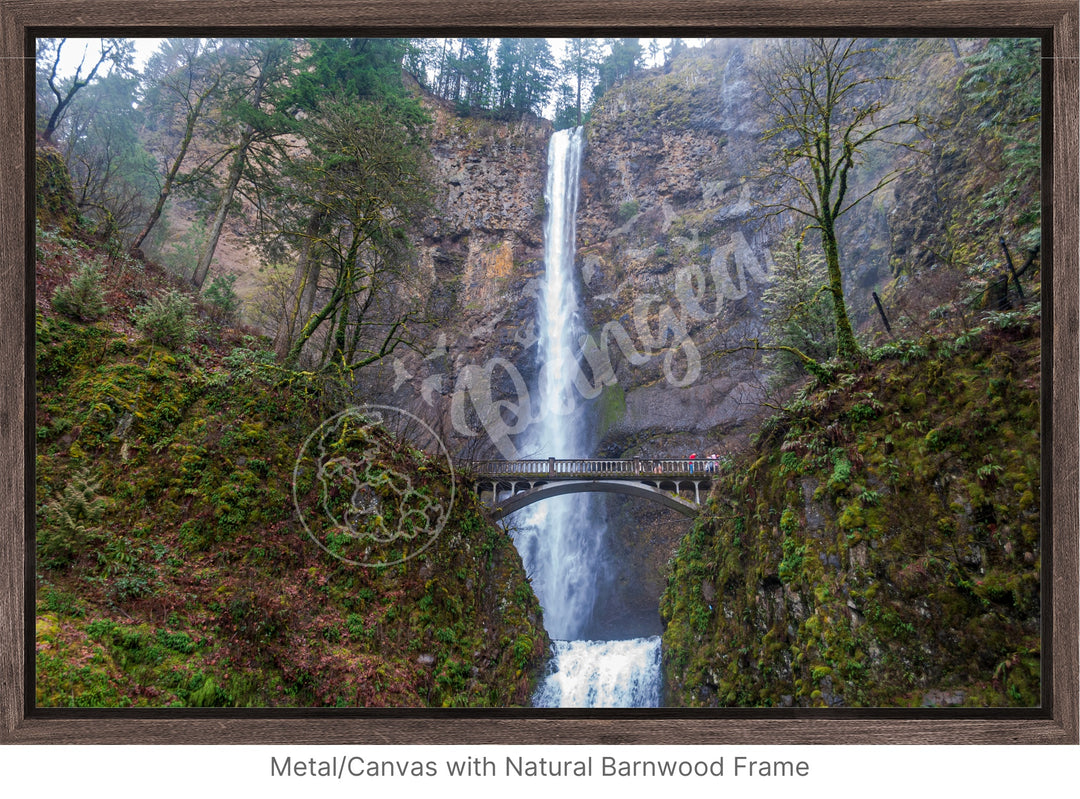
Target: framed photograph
587, 373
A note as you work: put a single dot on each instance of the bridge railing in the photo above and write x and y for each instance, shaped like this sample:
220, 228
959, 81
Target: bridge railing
593, 467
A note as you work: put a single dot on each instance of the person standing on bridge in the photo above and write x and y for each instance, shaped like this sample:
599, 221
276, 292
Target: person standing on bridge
692, 456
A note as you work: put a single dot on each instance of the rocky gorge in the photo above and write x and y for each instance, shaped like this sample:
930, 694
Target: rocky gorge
675, 251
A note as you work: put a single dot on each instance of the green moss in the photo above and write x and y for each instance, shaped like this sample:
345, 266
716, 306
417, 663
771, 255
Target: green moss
55, 197
852, 517
204, 591
612, 407
924, 515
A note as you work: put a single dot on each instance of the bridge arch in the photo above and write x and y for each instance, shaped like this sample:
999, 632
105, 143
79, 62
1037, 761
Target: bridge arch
543, 490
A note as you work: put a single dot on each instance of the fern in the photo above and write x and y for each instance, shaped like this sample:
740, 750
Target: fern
71, 520
167, 319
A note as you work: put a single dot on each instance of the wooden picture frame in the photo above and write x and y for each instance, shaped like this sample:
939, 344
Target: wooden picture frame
1054, 21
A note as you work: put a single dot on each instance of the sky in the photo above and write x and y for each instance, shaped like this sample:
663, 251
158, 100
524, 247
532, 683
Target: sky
75, 50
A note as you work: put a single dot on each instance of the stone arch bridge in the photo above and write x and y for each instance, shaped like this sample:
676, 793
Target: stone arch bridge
508, 486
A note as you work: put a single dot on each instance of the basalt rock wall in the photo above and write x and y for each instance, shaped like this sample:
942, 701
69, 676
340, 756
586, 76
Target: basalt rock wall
675, 247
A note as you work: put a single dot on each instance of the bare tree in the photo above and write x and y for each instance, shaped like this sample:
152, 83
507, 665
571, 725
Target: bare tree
828, 105
117, 52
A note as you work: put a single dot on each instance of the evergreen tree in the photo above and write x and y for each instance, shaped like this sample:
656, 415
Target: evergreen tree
363, 69
674, 48
524, 76
625, 57
566, 112
581, 65
1003, 90
364, 179
346, 199
474, 67
422, 60
798, 310
84, 297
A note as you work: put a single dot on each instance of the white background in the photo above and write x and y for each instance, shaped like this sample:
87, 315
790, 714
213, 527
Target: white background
880, 772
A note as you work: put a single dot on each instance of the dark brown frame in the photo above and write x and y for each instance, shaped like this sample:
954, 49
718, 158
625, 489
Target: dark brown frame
1055, 21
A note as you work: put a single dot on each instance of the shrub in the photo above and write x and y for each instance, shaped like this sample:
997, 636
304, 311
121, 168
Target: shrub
83, 298
797, 312
178, 642
167, 319
628, 210
243, 363
183, 253
221, 298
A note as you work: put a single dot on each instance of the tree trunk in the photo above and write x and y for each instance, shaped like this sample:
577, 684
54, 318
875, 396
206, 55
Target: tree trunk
166, 189
342, 288
847, 348
579, 118
163, 197
302, 290
76, 84
293, 355
236, 168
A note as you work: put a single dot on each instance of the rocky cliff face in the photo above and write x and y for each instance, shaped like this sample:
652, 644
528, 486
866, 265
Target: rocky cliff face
674, 252
676, 247
671, 254
487, 238
484, 247
671, 258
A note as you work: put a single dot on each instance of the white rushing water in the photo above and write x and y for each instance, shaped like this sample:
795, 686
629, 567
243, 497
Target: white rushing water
603, 674
561, 539
557, 538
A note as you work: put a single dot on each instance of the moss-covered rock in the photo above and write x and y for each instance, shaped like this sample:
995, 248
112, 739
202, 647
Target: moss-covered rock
194, 583
873, 551
56, 206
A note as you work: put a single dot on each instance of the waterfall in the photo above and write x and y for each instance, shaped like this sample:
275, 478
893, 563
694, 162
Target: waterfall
561, 539
603, 674
558, 539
